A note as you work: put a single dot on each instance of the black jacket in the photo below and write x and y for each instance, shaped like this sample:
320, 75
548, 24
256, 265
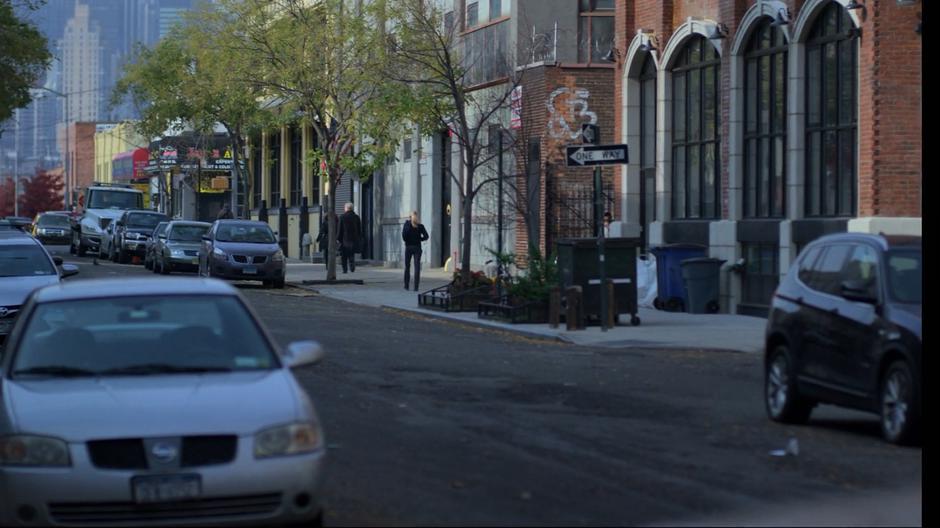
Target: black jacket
350, 230
413, 236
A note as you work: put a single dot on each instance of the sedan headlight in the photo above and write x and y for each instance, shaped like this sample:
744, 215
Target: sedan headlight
27, 450
42, 231
278, 256
177, 253
291, 439
218, 253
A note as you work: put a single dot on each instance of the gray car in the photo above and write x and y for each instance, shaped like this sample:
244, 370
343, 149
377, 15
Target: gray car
24, 266
178, 247
154, 402
242, 250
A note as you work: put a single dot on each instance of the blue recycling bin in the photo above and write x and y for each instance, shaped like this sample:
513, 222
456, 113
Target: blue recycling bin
671, 294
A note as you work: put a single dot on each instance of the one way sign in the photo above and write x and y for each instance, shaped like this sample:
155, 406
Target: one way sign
585, 155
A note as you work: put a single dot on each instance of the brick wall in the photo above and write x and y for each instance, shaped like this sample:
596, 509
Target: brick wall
890, 90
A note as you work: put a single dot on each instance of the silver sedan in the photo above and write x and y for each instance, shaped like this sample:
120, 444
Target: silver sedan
154, 402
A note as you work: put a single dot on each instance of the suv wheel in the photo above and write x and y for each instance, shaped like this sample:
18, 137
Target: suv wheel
781, 397
899, 412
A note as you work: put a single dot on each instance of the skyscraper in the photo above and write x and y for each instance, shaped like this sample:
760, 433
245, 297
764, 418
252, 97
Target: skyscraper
80, 52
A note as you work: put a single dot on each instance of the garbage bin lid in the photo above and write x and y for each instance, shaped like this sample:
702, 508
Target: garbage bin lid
702, 260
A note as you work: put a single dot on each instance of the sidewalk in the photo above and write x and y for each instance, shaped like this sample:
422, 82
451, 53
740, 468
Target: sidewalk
384, 288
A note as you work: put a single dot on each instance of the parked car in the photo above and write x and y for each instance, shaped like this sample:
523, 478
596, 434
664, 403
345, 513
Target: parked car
178, 248
21, 222
242, 250
171, 405
24, 266
845, 329
130, 234
151, 244
52, 228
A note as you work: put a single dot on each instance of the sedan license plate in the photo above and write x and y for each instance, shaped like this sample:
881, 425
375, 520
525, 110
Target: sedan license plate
166, 488
195, 261
250, 270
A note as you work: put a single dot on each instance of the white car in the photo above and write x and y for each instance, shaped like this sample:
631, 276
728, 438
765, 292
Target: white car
154, 402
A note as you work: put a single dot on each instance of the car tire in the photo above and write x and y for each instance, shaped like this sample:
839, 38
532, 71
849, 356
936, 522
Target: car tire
279, 284
900, 404
781, 396
112, 254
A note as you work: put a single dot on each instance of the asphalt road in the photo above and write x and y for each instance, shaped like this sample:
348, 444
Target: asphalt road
432, 423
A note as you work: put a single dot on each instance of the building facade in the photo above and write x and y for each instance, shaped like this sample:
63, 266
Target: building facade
756, 127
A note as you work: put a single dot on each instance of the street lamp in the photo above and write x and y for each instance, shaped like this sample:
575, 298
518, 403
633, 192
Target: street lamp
66, 173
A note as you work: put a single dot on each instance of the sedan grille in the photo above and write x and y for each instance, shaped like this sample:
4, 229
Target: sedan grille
95, 513
245, 259
191, 253
9, 312
128, 453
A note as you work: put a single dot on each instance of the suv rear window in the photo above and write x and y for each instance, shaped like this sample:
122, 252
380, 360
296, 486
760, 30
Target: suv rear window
827, 271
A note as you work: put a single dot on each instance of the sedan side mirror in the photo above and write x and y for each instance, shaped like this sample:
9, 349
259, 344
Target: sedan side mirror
300, 353
857, 290
57, 261
206, 238
68, 270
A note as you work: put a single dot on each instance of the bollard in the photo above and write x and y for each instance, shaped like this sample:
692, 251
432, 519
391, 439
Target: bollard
611, 303
574, 319
554, 307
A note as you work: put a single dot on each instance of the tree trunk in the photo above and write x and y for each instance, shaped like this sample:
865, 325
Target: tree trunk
330, 206
467, 241
235, 174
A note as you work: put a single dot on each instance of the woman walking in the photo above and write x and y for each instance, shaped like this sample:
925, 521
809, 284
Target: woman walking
413, 233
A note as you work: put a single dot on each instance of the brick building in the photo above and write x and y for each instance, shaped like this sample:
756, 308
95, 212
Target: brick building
756, 127
77, 141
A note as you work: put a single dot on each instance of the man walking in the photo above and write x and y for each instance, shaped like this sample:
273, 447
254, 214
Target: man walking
350, 237
413, 233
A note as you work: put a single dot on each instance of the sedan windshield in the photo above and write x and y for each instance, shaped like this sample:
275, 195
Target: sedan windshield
905, 279
188, 233
141, 336
53, 221
245, 233
27, 260
144, 220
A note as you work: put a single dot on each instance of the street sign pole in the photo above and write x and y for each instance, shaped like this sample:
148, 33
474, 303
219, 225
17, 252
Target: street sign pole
601, 264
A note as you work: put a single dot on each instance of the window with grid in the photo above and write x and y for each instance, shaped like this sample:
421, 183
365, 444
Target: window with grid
761, 273
256, 171
648, 141
296, 164
595, 30
274, 168
695, 131
765, 117
831, 115
473, 14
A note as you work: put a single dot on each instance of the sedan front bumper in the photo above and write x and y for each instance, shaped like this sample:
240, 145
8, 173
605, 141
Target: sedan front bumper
246, 492
229, 269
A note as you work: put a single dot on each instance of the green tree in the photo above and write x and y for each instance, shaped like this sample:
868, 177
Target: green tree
322, 62
24, 57
187, 77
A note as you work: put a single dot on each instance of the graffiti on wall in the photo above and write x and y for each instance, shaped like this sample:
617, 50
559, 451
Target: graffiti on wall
567, 111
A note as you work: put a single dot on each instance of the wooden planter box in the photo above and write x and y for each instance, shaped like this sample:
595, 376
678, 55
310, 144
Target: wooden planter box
465, 301
535, 312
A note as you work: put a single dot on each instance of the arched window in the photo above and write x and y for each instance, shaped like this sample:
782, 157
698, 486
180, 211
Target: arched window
831, 115
765, 122
647, 81
695, 132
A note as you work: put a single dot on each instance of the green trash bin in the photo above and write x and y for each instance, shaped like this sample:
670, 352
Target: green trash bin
702, 278
578, 266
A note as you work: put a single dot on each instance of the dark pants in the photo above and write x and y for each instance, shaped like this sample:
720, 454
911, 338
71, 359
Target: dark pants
412, 252
349, 258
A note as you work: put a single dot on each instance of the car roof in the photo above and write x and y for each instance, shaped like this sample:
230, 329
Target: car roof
16, 237
190, 222
136, 287
885, 242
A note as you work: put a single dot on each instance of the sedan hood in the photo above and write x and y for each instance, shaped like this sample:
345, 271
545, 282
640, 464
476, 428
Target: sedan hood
80, 409
243, 248
14, 290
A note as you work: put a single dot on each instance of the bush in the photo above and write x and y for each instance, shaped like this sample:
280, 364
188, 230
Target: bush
537, 283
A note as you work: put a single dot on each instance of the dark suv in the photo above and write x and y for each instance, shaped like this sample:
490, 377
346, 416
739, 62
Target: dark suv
845, 329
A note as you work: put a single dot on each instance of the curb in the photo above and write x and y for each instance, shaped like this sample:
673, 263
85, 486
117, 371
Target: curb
478, 324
